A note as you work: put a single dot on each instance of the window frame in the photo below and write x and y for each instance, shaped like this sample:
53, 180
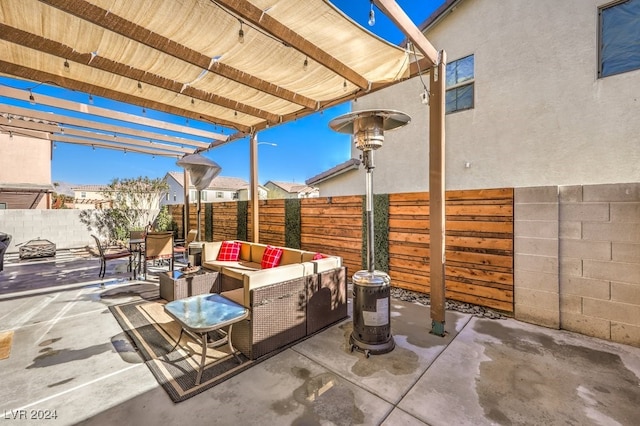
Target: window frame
601, 9
458, 85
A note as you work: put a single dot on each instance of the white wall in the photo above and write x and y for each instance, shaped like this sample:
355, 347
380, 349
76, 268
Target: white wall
541, 116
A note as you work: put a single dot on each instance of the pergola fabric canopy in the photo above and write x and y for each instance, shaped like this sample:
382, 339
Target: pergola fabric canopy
243, 64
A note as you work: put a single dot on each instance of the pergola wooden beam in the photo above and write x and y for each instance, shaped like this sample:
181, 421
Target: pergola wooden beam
436, 159
23, 95
45, 77
126, 143
116, 146
63, 121
64, 52
413, 33
130, 30
249, 12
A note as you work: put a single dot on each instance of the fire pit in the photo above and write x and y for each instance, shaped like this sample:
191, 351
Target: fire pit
37, 248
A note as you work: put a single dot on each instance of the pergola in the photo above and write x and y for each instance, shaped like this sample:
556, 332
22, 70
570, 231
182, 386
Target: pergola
244, 65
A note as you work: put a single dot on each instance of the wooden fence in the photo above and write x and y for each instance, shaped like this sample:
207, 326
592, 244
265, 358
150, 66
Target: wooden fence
478, 244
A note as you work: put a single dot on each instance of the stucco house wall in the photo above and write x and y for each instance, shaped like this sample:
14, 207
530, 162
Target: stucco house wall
541, 115
25, 161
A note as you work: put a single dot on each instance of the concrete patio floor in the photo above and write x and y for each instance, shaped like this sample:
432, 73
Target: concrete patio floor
70, 356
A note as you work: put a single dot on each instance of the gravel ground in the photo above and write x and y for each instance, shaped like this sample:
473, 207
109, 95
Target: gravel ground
452, 305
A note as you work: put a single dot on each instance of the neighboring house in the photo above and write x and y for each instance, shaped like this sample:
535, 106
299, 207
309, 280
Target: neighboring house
25, 170
220, 189
533, 99
90, 197
290, 190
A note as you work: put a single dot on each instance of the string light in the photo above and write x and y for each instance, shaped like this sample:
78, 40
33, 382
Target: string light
32, 100
344, 86
139, 86
372, 16
91, 99
305, 64
11, 135
66, 65
241, 34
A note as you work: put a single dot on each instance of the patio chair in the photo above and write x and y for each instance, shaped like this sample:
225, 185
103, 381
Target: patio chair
5, 242
106, 254
158, 246
183, 248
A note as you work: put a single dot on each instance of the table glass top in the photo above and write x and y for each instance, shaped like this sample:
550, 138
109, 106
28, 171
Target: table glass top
205, 311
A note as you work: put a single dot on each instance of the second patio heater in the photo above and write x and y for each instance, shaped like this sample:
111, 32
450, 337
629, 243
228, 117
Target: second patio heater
371, 288
201, 171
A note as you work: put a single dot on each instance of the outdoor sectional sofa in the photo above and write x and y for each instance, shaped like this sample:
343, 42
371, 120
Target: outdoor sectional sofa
287, 302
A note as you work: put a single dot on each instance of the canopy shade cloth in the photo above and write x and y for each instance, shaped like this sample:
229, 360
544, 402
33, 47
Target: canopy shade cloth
243, 64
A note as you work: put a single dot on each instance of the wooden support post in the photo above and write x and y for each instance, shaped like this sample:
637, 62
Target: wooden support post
254, 195
185, 211
437, 216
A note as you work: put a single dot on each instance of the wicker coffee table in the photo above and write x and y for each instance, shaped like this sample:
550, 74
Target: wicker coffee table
178, 285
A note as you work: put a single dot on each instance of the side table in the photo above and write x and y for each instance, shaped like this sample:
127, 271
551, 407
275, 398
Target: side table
200, 314
179, 285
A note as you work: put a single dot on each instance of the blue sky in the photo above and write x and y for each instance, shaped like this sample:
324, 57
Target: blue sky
304, 148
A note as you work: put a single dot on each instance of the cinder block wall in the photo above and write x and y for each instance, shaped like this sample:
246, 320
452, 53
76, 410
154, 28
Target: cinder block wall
61, 227
577, 259
600, 267
535, 269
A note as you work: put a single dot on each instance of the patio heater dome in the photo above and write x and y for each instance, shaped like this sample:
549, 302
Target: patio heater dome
368, 126
371, 288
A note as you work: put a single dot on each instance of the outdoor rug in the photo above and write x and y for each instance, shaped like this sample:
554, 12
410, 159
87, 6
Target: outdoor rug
6, 338
154, 333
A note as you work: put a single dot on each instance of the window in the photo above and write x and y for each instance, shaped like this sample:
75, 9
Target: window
83, 194
219, 194
460, 75
203, 195
175, 196
3, 206
619, 38
193, 194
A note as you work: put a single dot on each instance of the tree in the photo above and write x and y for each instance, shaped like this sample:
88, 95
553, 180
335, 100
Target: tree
134, 205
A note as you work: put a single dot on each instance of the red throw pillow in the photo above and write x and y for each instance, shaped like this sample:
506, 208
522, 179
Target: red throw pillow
271, 257
229, 250
318, 256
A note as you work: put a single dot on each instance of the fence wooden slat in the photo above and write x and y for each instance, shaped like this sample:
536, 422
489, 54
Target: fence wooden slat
479, 238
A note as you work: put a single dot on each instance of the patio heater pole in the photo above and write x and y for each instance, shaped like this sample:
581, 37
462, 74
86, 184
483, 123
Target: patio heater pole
202, 171
371, 288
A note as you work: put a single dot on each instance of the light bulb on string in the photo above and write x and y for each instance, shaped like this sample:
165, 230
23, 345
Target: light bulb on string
241, 34
372, 16
305, 64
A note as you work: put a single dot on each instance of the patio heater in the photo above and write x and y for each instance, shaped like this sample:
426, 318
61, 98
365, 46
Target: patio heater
202, 171
371, 288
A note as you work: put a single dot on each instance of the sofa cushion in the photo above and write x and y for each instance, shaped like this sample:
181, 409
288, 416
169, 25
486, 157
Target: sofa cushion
327, 263
229, 250
257, 251
318, 256
245, 251
290, 256
238, 269
271, 257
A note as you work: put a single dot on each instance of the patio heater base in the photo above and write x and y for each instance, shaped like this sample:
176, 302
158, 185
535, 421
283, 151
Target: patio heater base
371, 313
